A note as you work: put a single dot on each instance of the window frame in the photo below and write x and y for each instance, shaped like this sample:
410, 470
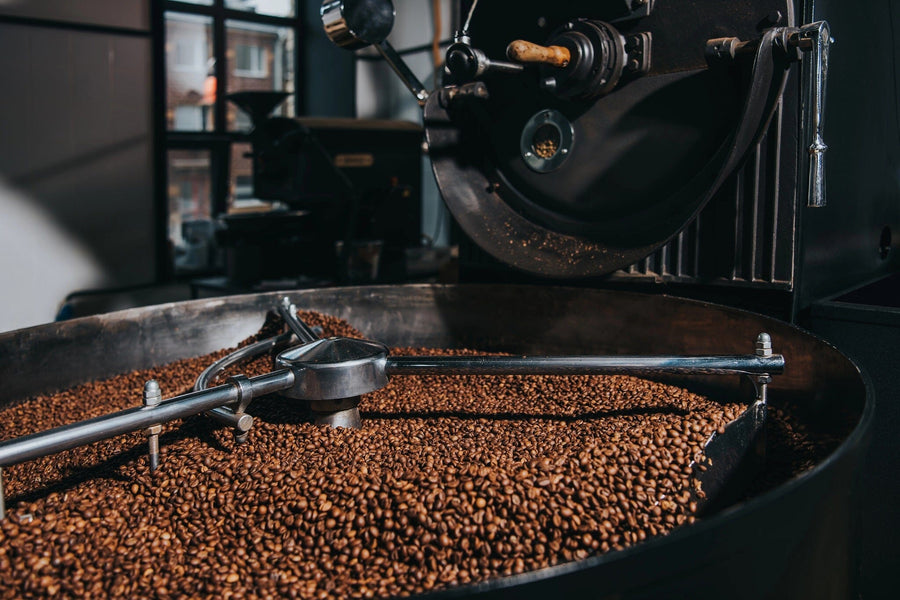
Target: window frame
219, 140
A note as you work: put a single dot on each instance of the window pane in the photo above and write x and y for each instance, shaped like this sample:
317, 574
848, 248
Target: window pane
276, 8
191, 227
190, 81
260, 58
241, 186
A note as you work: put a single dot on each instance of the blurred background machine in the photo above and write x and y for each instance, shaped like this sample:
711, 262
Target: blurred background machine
339, 198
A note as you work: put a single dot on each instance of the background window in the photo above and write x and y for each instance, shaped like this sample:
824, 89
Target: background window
205, 137
191, 226
250, 61
188, 60
276, 8
188, 118
260, 57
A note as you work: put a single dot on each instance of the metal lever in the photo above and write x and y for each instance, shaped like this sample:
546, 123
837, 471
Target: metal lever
816, 38
355, 24
288, 312
467, 63
403, 72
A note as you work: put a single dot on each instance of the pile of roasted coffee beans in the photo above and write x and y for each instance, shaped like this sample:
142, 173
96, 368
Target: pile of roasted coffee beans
451, 480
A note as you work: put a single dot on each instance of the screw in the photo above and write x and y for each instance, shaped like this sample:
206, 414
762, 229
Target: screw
152, 397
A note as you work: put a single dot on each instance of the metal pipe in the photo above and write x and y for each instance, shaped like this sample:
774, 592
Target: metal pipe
100, 428
250, 351
288, 312
818, 37
583, 365
240, 422
403, 72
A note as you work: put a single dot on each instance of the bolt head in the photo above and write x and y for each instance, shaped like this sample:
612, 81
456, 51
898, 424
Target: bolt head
763, 344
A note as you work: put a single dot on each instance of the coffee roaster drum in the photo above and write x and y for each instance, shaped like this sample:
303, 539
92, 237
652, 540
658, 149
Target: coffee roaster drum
792, 541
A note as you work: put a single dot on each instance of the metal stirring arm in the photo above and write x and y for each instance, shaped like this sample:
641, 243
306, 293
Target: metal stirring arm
82, 433
585, 365
331, 374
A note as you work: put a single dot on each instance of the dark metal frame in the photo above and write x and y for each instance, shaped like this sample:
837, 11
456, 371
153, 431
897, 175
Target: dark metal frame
218, 141
73, 25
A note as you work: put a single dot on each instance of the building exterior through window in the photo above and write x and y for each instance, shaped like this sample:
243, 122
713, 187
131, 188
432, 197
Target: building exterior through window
208, 172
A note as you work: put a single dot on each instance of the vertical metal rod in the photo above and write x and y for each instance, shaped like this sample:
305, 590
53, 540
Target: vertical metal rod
816, 39
152, 397
154, 453
288, 312
763, 350
465, 27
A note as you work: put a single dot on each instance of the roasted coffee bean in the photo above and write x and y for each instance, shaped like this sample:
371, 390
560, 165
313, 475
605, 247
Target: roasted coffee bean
451, 480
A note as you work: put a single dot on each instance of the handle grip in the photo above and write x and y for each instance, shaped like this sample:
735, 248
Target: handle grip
526, 52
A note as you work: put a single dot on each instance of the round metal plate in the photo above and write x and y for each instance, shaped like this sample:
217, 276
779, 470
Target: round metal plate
335, 368
559, 140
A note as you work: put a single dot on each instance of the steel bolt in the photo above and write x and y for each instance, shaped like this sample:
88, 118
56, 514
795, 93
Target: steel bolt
152, 397
763, 345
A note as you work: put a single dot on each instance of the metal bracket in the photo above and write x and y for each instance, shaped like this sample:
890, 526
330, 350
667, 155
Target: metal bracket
638, 47
636, 9
454, 93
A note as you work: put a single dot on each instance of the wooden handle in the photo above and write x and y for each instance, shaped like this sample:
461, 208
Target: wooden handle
526, 52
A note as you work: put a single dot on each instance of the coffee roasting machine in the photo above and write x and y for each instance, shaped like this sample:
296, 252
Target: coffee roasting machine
647, 145
609, 144
351, 192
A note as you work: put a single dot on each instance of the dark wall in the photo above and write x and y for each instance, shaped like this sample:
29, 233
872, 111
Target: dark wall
76, 185
862, 129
